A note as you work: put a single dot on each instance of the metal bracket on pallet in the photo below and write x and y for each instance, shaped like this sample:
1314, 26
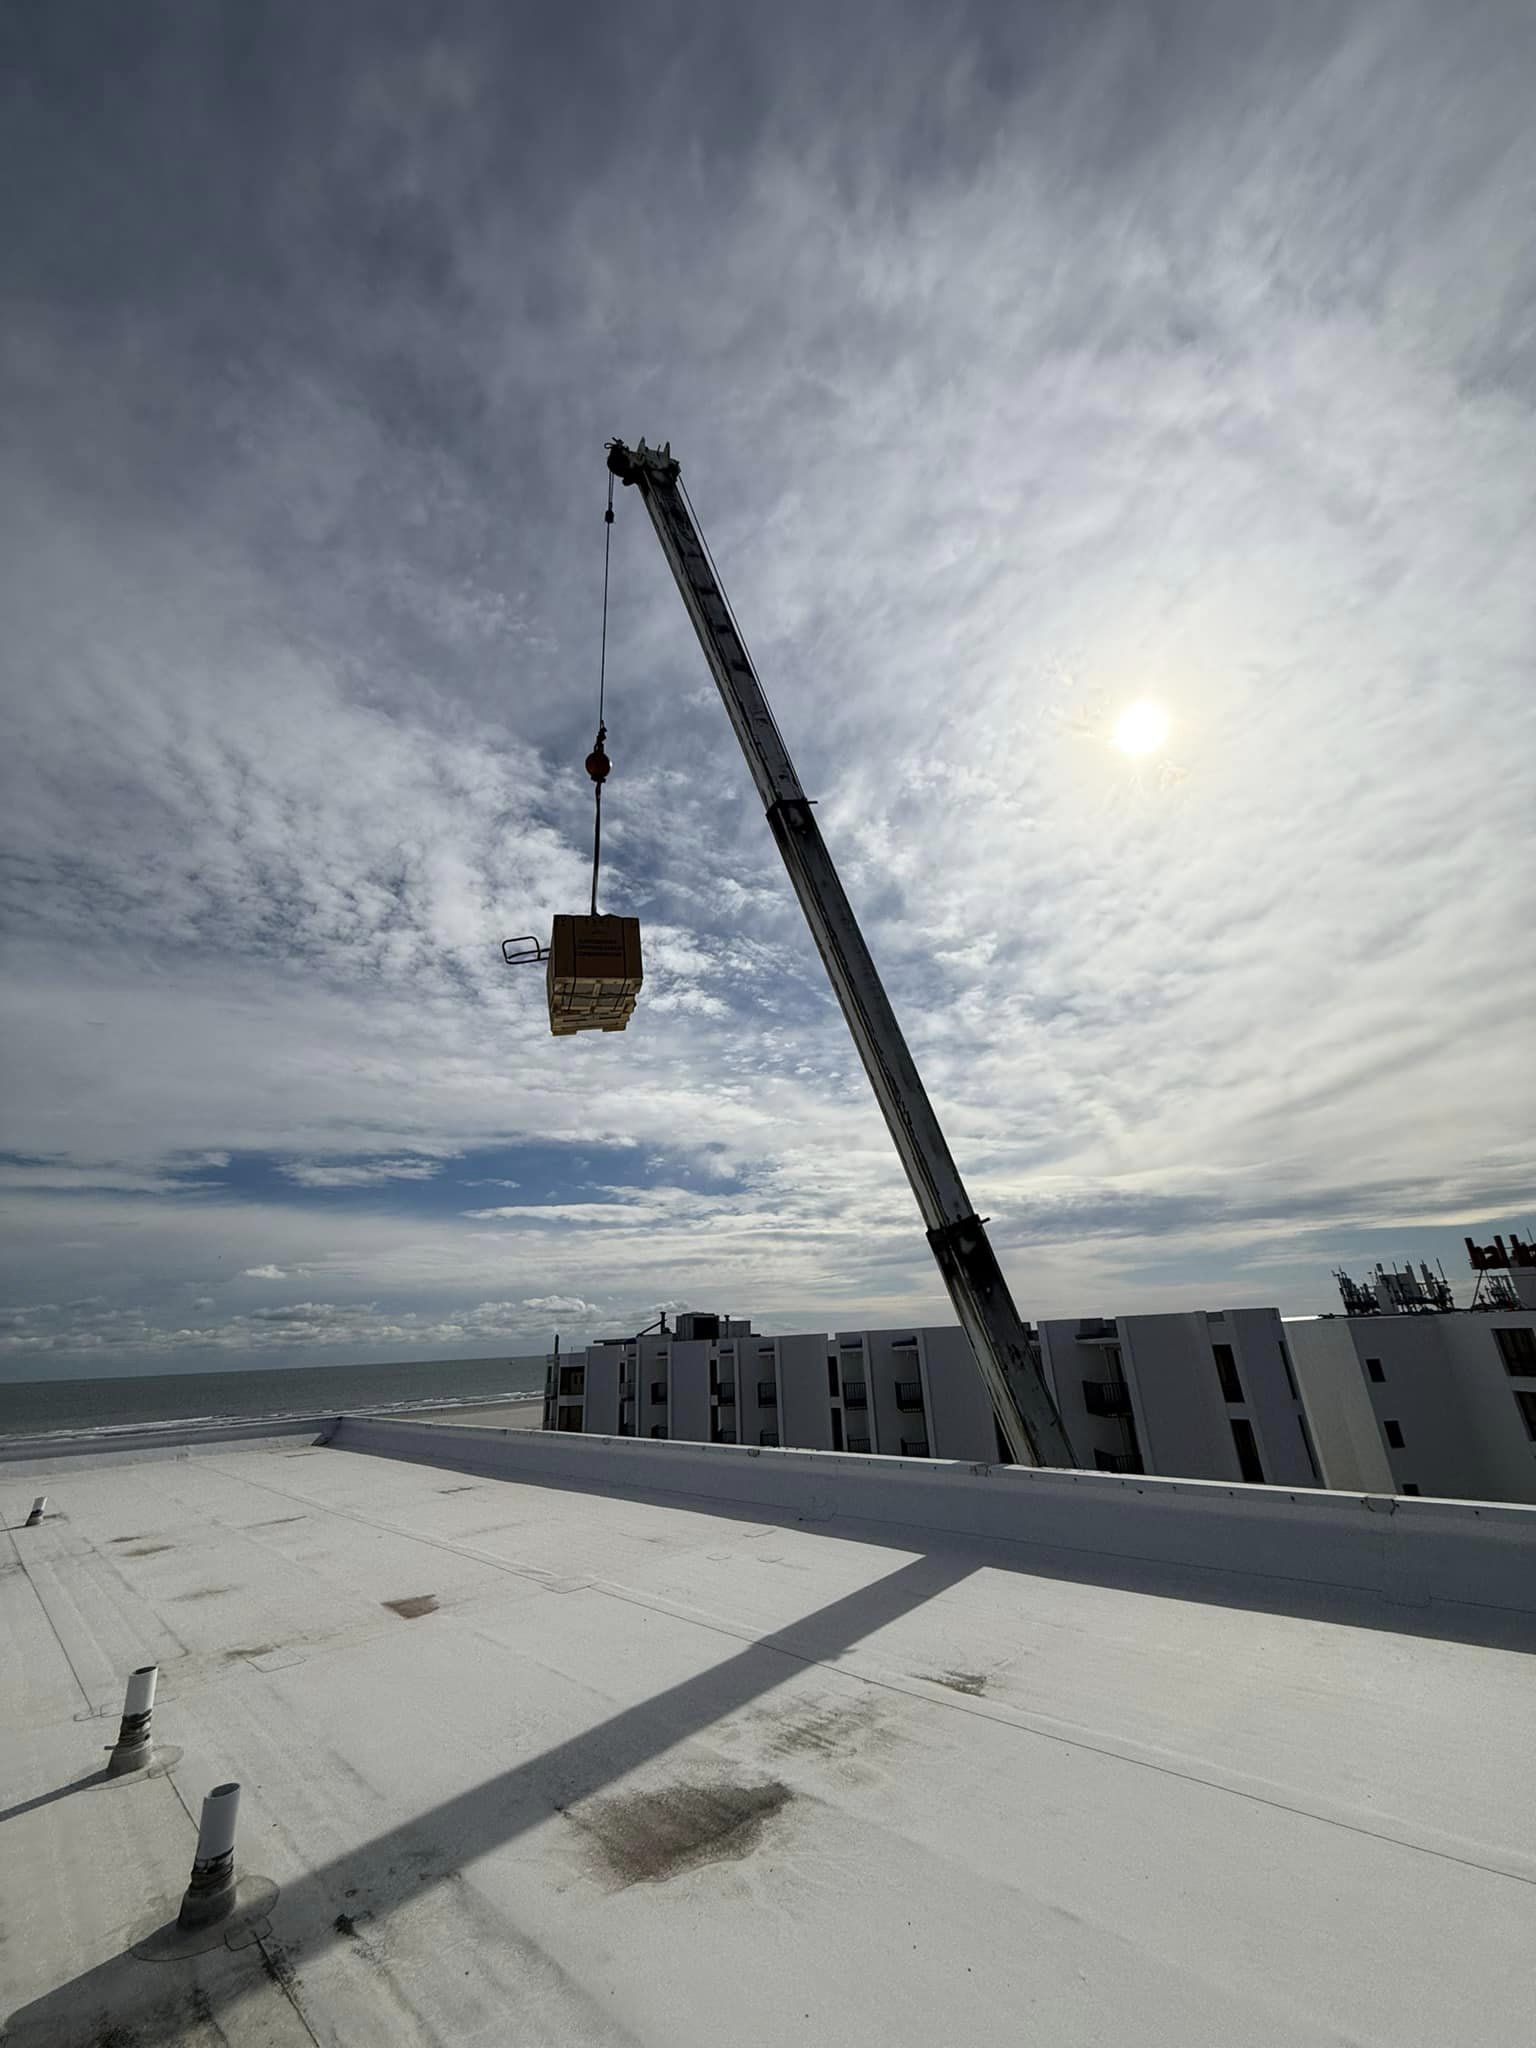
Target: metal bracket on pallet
524, 958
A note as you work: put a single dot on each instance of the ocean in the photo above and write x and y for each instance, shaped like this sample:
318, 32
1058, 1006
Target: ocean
42, 1407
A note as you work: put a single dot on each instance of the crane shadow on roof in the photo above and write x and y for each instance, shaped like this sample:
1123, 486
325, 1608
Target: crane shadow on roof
322, 1909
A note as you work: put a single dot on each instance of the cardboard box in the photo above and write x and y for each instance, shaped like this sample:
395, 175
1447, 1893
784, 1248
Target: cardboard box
594, 973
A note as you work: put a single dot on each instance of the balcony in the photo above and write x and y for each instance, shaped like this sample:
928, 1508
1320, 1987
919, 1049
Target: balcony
658, 1393
859, 1443
1098, 1330
1118, 1461
727, 1393
855, 1394
1106, 1397
909, 1393
914, 1447
767, 1393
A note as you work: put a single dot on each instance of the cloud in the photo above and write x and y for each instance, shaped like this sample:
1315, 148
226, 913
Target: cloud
564, 1305
1044, 367
299, 1327
54, 1177
366, 1174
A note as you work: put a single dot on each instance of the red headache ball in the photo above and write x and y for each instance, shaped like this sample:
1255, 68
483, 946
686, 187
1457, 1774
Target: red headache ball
598, 764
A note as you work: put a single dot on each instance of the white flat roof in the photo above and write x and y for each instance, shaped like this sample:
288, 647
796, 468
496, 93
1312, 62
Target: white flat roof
687, 1773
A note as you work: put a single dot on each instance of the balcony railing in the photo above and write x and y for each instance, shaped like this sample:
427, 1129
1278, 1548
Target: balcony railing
1118, 1461
727, 1393
855, 1394
909, 1393
1106, 1397
914, 1447
858, 1443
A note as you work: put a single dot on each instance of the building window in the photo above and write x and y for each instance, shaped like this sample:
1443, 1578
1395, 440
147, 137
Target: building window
837, 1429
769, 1439
1394, 1432
1528, 1413
909, 1393
1248, 1461
914, 1447
727, 1393
573, 1379
658, 1393
859, 1443
1290, 1377
659, 1429
767, 1393
727, 1436
832, 1375
1407, 1487
1226, 1372
1306, 1445
1517, 1347
1373, 1369
570, 1418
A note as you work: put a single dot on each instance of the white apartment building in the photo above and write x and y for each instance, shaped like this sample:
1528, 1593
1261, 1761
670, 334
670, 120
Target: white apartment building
1435, 1403
901, 1393
1207, 1395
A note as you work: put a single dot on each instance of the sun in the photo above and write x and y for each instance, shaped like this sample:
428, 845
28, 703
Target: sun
1141, 728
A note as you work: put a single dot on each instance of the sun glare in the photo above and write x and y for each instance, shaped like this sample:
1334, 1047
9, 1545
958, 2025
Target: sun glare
1141, 728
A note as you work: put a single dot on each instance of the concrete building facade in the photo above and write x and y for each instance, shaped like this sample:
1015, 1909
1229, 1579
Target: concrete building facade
1207, 1395
902, 1393
1441, 1403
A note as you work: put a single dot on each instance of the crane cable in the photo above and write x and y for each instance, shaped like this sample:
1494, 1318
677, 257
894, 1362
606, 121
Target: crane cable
598, 763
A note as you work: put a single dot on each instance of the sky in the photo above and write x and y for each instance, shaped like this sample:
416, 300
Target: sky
1026, 363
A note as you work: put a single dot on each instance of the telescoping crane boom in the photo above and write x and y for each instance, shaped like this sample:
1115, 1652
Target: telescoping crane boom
1021, 1400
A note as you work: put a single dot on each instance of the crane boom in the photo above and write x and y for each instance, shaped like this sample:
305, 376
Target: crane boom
1021, 1399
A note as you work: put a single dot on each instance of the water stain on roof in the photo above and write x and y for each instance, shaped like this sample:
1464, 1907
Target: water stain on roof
973, 1683
416, 1604
833, 1730
648, 1837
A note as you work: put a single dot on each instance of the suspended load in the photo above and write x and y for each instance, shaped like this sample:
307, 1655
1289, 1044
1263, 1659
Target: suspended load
594, 973
592, 964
